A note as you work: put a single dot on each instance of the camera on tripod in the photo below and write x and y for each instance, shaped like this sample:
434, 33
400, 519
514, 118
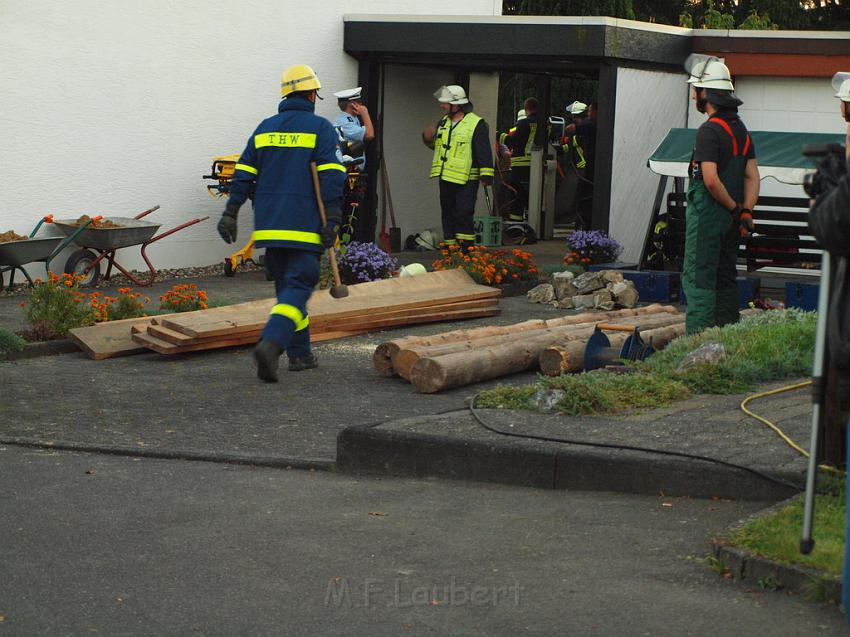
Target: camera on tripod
832, 167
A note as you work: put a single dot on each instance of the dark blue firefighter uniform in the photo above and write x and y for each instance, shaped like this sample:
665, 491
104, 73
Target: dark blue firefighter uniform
275, 167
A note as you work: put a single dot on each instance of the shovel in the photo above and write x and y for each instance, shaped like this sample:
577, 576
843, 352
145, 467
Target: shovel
394, 236
384, 236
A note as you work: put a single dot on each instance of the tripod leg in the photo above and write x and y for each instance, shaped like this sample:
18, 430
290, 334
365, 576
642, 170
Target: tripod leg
807, 543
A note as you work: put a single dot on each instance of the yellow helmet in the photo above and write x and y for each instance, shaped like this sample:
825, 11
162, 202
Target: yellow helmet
298, 78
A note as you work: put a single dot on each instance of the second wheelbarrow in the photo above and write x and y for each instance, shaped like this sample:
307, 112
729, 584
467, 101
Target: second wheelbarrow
14, 255
100, 241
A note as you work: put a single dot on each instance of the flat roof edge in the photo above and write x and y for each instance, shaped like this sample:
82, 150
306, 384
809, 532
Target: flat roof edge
521, 19
599, 21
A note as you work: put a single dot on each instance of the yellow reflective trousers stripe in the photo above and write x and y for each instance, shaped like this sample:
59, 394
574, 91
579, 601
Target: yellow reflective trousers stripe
285, 140
322, 167
287, 235
247, 168
293, 314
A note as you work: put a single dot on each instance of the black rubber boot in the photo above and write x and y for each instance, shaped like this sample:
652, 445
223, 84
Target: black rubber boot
304, 362
267, 353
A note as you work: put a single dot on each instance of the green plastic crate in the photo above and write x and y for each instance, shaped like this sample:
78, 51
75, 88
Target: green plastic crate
488, 231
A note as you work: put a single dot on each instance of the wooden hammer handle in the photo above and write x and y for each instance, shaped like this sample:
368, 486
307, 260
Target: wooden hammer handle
615, 328
324, 217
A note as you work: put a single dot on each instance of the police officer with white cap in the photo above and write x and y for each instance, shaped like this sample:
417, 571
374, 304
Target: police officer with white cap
354, 123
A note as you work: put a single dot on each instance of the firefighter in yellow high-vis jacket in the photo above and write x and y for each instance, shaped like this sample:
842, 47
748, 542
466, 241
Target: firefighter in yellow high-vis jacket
462, 158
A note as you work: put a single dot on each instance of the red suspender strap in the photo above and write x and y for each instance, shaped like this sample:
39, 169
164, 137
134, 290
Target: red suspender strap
725, 126
746, 146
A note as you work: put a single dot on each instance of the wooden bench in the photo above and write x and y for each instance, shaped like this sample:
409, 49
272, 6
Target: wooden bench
781, 240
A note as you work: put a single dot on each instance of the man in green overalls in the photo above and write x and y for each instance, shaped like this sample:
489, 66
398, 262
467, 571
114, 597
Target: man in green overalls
724, 188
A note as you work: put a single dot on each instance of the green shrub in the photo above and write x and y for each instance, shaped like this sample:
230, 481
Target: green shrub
56, 306
10, 342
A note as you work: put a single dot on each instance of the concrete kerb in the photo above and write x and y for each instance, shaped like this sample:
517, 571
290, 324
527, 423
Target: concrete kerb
381, 450
45, 348
770, 574
279, 462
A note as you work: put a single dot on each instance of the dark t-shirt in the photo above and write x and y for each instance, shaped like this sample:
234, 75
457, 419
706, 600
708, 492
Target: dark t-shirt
714, 144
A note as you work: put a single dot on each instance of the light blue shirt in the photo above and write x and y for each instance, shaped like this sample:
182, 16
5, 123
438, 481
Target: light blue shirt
350, 129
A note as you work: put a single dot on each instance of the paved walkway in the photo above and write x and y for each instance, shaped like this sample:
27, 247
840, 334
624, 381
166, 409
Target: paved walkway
118, 546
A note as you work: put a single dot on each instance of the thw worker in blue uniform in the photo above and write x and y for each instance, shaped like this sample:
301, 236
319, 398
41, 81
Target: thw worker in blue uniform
275, 168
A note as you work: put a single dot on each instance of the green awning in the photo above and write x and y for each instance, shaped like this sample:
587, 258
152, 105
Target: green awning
779, 154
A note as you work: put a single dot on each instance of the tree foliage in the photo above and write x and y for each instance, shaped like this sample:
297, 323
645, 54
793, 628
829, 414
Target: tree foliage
710, 14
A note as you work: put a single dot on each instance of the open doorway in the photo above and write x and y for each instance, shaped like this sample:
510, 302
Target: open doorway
565, 191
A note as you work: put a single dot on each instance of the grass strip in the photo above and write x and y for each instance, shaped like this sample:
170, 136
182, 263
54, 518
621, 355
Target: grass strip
776, 536
764, 347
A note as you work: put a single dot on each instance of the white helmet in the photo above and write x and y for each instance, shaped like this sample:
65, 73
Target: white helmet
576, 108
520, 114
452, 94
841, 83
708, 72
426, 240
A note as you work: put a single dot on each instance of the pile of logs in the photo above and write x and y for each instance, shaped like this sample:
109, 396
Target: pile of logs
555, 346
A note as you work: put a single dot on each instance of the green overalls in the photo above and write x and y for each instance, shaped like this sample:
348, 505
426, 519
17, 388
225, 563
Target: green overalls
711, 247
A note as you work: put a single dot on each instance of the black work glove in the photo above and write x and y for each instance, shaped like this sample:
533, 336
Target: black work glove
227, 224
486, 180
331, 229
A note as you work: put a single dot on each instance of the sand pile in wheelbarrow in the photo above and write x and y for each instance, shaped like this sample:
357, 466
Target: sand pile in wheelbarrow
97, 223
11, 235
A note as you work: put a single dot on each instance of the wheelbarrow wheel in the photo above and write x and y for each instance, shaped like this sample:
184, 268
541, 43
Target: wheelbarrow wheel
228, 268
80, 264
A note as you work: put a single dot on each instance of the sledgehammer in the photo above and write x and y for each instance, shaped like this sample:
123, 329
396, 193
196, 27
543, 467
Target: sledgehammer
338, 290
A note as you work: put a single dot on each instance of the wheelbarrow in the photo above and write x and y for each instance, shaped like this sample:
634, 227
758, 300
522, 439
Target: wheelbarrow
14, 255
98, 243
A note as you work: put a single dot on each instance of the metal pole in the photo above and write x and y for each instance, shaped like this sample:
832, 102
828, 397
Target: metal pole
807, 543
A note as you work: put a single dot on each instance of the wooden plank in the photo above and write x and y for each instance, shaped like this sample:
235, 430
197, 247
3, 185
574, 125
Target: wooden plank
164, 347
109, 339
425, 317
323, 322
340, 309
161, 346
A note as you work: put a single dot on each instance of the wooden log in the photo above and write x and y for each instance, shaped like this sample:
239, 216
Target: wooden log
405, 359
385, 354
431, 375
562, 358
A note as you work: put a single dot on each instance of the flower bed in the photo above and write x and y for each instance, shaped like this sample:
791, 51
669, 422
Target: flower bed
587, 247
58, 305
497, 267
362, 262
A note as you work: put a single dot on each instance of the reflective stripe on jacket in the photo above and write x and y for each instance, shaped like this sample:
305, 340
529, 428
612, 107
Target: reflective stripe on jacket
522, 148
275, 167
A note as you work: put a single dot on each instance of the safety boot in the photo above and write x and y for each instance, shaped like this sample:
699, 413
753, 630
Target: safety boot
266, 354
300, 363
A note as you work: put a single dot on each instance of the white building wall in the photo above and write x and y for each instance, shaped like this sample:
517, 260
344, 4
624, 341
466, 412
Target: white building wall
113, 107
649, 104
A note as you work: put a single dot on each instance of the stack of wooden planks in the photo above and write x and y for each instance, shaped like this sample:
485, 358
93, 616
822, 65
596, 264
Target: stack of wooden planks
460, 357
434, 296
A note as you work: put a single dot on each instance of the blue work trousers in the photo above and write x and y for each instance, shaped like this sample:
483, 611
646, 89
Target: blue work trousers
295, 274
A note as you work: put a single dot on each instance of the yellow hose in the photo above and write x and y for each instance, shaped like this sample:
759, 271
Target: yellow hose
776, 429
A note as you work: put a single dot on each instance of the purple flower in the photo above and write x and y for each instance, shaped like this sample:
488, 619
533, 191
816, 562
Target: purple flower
594, 245
361, 262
